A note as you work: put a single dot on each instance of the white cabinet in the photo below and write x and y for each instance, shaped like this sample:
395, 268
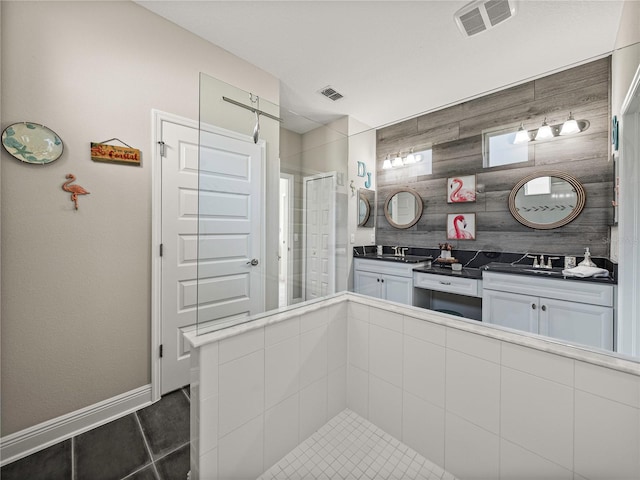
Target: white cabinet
387, 280
574, 311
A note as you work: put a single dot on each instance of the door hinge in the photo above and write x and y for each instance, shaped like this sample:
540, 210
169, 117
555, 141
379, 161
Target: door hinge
162, 148
161, 249
161, 350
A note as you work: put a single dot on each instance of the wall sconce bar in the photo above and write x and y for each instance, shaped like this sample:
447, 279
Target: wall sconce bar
569, 127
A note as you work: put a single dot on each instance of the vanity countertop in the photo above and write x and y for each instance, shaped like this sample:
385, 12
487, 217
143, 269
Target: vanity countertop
474, 273
555, 272
389, 257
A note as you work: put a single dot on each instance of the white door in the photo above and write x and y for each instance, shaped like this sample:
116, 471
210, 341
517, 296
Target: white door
221, 200
320, 231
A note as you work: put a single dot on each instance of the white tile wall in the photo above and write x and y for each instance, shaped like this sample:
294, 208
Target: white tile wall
607, 438
241, 391
385, 406
473, 389
470, 451
515, 462
385, 354
480, 407
537, 414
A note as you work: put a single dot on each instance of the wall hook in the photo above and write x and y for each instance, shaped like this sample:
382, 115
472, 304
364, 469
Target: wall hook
353, 189
74, 190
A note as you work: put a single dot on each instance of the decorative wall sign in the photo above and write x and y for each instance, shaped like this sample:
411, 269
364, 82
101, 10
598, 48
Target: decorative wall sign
362, 172
101, 152
74, 190
461, 189
461, 226
32, 143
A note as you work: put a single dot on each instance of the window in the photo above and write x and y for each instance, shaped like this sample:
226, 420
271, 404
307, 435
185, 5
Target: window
499, 148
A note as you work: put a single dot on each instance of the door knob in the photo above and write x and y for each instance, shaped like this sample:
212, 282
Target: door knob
253, 262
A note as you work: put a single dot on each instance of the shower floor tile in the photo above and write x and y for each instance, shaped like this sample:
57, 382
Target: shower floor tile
350, 447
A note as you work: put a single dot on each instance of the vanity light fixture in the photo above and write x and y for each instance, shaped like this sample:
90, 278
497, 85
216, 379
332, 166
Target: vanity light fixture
522, 136
544, 131
401, 159
570, 126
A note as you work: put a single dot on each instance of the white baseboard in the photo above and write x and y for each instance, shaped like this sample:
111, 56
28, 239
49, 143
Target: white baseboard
30, 440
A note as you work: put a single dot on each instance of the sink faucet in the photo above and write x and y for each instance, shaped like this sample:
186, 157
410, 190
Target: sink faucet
403, 250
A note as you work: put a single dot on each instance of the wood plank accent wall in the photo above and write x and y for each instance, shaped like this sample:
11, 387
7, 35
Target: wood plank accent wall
455, 134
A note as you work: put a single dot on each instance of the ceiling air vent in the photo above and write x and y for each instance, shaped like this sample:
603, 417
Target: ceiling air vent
482, 15
331, 93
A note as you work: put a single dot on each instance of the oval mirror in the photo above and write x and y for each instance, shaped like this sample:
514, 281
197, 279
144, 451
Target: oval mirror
547, 199
364, 209
403, 208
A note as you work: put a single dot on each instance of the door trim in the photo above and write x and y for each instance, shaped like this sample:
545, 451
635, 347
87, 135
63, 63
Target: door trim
157, 117
290, 253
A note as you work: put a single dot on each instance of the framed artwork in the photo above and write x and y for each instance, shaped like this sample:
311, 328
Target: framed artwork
461, 226
461, 189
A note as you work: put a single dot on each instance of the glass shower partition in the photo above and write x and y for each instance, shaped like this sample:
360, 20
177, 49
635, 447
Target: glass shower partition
244, 146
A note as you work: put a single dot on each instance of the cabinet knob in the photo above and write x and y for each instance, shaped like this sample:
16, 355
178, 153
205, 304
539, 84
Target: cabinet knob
382, 280
533, 306
543, 308
378, 280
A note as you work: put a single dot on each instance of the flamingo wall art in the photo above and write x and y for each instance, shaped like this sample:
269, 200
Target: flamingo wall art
461, 226
74, 190
461, 189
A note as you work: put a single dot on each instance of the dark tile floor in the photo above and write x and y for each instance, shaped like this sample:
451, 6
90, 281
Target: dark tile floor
150, 444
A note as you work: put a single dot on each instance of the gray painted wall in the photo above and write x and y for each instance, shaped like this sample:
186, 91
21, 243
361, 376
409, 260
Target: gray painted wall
456, 136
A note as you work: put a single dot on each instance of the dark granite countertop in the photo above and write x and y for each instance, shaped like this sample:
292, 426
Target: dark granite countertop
555, 272
475, 262
473, 273
390, 257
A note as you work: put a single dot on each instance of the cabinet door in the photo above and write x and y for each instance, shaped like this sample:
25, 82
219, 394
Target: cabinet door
510, 310
397, 289
577, 322
367, 283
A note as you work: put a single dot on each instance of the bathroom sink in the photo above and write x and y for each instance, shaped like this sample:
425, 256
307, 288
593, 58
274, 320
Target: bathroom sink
526, 269
405, 259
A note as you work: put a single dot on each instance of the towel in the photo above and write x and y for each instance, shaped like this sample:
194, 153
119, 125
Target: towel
585, 272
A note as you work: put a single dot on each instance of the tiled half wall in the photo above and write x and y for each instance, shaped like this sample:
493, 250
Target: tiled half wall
479, 402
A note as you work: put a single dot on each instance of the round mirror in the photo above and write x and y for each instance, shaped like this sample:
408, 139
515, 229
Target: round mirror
403, 208
364, 210
546, 200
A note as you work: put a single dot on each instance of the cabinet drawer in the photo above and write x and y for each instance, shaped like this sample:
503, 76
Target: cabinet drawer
444, 283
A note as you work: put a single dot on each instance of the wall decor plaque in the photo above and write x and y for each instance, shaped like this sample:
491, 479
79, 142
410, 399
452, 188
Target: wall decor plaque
101, 152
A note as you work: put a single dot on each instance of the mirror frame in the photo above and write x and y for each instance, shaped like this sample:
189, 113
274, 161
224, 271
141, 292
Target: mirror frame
362, 197
418, 213
580, 201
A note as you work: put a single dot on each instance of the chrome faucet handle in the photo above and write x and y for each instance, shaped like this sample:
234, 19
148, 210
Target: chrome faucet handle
535, 261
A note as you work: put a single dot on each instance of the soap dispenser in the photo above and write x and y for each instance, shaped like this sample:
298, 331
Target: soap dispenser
587, 259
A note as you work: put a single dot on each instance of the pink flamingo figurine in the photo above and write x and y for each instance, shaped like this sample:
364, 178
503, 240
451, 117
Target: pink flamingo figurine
461, 194
457, 232
75, 190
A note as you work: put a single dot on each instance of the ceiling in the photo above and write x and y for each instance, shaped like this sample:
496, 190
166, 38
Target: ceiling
393, 59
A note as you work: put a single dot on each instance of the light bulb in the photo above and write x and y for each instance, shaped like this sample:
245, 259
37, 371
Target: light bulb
570, 126
411, 158
397, 162
544, 131
522, 136
386, 165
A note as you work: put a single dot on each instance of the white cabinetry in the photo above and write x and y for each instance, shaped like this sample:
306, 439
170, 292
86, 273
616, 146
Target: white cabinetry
575, 311
388, 280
